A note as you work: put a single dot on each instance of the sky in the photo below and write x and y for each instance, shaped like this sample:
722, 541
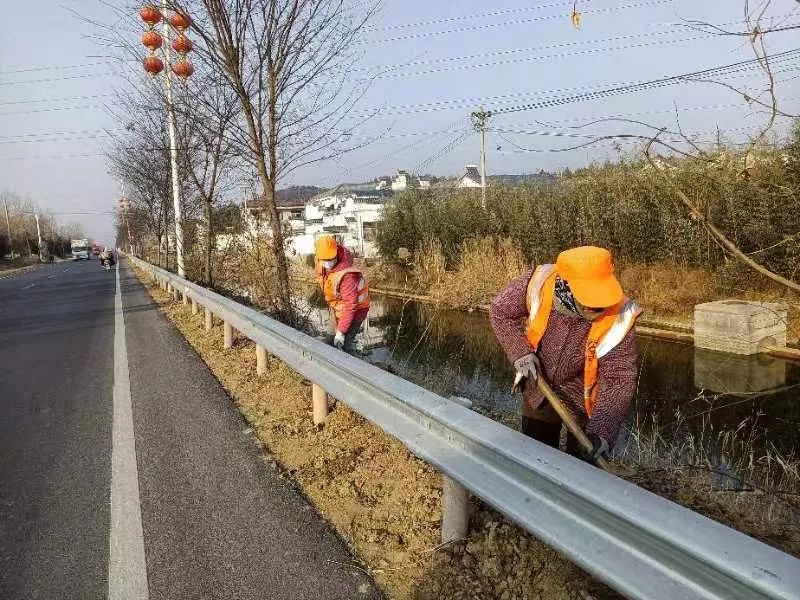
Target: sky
447, 59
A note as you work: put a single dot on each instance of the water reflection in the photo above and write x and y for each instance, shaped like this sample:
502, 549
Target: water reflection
681, 390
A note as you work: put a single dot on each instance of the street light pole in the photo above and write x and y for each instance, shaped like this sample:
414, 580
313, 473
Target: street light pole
173, 151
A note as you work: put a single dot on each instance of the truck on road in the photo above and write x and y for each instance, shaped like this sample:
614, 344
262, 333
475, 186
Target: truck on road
80, 250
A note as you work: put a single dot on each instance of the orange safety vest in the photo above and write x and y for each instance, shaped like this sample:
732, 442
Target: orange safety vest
330, 287
607, 331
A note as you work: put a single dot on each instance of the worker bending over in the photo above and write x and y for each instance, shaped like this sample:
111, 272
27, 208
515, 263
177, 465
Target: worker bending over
345, 290
579, 334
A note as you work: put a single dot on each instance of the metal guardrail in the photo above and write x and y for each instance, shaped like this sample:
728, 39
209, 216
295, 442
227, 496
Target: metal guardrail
640, 544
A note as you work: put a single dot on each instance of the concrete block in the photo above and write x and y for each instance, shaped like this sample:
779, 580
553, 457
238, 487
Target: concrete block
725, 373
739, 327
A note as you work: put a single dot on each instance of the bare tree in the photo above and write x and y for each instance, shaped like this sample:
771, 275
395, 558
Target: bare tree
673, 142
755, 31
140, 158
288, 61
206, 116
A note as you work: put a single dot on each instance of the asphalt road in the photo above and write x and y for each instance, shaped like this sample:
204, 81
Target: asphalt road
107, 416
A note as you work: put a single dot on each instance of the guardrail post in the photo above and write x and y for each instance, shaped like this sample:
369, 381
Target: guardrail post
185, 296
227, 335
194, 307
319, 404
209, 317
261, 360
455, 510
175, 294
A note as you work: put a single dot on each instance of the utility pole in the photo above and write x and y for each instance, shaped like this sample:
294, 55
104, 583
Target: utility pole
8, 226
39, 235
173, 151
479, 122
38, 229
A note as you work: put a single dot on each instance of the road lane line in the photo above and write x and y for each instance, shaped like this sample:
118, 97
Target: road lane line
127, 569
29, 286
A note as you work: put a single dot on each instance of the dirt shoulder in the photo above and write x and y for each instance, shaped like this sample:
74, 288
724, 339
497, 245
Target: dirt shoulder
385, 503
8, 268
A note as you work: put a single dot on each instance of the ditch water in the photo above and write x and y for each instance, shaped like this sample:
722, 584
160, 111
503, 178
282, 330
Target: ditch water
692, 398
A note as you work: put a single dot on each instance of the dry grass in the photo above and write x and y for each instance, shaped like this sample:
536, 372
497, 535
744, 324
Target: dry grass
723, 474
483, 268
667, 289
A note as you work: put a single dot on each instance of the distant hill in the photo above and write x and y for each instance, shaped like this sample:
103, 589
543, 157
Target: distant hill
297, 193
512, 180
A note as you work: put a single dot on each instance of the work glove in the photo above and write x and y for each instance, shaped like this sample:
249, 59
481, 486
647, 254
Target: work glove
599, 449
527, 367
338, 340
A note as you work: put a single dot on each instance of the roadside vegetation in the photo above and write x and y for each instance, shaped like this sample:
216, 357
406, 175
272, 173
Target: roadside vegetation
441, 243
19, 242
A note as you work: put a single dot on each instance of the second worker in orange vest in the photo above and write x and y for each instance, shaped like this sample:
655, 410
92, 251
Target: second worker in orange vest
579, 334
345, 290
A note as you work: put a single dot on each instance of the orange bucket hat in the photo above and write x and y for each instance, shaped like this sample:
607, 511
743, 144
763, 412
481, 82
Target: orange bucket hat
589, 272
325, 247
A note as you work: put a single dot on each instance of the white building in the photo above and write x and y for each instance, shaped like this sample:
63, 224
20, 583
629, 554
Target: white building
350, 212
471, 178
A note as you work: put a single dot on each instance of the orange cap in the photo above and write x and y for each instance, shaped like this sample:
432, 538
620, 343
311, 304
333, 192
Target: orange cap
590, 274
325, 247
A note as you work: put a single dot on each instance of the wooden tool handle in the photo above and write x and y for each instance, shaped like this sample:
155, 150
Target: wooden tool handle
568, 420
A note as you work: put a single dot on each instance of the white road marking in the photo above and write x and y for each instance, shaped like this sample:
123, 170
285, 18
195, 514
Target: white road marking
29, 286
50, 276
127, 569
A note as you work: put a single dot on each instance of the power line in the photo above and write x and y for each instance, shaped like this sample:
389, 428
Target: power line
441, 153
513, 61
61, 133
468, 17
58, 99
724, 71
54, 67
471, 28
77, 138
509, 51
431, 136
52, 109
592, 119
55, 79
653, 83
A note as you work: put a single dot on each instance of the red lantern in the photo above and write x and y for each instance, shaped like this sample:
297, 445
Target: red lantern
150, 39
153, 65
183, 69
150, 14
180, 21
182, 44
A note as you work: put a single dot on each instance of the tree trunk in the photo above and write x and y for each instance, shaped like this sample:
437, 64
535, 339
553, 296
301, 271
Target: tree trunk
207, 275
281, 264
